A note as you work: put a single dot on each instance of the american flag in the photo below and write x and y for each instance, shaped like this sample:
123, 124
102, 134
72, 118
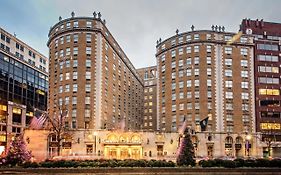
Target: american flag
37, 123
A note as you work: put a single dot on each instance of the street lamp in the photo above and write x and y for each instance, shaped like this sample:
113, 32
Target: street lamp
248, 138
95, 137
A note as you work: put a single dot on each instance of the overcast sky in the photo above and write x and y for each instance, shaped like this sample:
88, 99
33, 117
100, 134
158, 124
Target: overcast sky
135, 24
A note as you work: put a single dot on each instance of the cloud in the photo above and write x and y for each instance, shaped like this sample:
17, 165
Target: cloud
135, 24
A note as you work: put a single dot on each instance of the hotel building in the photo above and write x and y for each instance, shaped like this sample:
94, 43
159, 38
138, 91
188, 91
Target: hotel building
149, 76
91, 77
24, 85
267, 52
209, 73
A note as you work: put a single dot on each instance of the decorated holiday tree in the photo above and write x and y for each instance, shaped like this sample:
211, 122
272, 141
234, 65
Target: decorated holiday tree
186, 151
17, 152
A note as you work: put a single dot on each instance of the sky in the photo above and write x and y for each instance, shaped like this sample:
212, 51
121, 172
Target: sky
135, 24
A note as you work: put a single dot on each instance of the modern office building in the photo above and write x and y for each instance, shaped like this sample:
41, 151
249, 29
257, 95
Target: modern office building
91, 77
23, 85
267, 52
149, 76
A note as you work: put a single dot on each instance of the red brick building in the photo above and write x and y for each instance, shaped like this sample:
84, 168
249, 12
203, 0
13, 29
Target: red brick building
267, 40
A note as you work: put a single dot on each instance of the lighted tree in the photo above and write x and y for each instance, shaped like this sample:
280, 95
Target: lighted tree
17, 152
186, 151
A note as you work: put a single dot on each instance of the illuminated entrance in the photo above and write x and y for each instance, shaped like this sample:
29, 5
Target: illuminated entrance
123, 151
124, 146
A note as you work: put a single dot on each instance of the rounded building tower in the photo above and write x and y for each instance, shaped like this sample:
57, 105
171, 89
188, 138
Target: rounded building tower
91, 77
206, 76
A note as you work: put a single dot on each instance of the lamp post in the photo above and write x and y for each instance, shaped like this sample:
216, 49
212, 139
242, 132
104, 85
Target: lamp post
95, 138
248, 138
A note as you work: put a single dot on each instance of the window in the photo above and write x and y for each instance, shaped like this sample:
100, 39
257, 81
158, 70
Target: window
74, 113
228, 62
189, 106
180, 63
181, 84
229, 106
87, 100
209, 83
196, 49
180, 39
188, 49
196, 60
209, 71
243, 39
244, 74
227, 38
173, 64
75, 51
68, 25
61, 40
180, 51
244, 85
89, 24
245, 107
269, 92
67, 51
67, 76
196, 83
196, 36
61, 53
188, 61
181, 95
174, 96
196, 72
228, 50
181, 106
74, 75
75, 38
188, 83
88, 87
267, 80
88, 50
60, 89
188, 37
244, 63
229, 95
228, 84
196, 94
74, 100
75, 24
189, 95
209, 48
68, 38
66, 101
88, 38
74, 88
88, 63
228, 73
88, 75
271, 58
229, 117
244, 96
173, 53
267, 47
209, 60
208, 36
268, 69
163, 57
244, 51
188, 72
67, 88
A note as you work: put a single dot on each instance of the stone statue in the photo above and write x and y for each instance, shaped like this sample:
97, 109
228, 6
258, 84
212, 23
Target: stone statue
60, 18
192, 27
213, 27
95, 14
177, 31
99, 15
72, 14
